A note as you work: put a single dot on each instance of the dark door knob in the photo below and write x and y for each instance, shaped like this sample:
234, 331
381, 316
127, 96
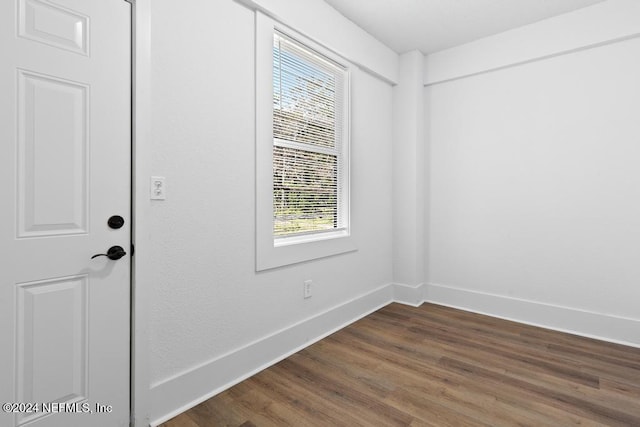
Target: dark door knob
115, 222
114, 253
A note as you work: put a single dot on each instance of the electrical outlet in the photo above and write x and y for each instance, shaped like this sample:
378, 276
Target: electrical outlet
158, 188
306, 290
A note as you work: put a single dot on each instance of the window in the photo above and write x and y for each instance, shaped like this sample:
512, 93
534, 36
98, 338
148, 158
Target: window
308, 167
302, 148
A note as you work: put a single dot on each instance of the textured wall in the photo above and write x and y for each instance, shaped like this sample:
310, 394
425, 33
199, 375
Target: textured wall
535, 185
409, 195
207, 299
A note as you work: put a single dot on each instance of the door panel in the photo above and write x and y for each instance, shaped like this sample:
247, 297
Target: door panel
53, 24
65, 153
52, 156
52, 341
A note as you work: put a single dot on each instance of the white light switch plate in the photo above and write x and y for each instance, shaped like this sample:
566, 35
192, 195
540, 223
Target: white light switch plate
158, 188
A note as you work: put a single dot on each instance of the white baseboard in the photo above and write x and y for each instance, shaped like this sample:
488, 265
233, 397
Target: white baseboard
175, 395
413, 295
606, 327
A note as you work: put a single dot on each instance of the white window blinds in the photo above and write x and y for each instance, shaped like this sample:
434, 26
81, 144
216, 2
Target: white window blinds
309, 171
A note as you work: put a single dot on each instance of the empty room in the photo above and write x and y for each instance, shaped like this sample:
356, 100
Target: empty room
319, 213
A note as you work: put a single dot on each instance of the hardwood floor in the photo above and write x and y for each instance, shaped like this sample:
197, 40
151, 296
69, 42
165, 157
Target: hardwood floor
436, 366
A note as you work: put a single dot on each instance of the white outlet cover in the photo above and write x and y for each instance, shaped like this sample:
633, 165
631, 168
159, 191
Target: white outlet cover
158, 189
307, 288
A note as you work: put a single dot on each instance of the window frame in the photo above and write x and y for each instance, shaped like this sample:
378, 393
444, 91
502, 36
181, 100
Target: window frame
271, 251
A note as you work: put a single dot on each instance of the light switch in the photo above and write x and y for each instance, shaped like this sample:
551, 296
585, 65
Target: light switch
158, 188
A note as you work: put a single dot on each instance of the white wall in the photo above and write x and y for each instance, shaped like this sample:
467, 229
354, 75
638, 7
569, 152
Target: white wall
527, 182
207, 301
535, 188
590, 26
408, 172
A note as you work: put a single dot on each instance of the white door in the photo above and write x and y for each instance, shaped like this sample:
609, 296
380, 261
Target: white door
64, 171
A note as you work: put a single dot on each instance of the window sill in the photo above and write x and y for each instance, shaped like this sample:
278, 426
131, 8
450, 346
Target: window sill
281, 252
308, 238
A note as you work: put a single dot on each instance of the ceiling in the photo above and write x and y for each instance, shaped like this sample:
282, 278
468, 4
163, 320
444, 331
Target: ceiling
433, 25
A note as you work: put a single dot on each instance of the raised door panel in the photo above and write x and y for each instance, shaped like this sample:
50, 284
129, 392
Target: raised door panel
52, 342
52, 156
54, 25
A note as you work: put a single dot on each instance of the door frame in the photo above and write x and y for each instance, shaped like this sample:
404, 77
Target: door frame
140, 378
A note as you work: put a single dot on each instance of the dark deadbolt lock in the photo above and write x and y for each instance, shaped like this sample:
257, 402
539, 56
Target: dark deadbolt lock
114, 253
116, 222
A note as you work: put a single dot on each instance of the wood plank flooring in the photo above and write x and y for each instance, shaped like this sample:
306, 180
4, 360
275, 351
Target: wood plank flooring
436, 366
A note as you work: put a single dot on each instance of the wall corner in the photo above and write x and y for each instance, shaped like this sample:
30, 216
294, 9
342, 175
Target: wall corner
409, 165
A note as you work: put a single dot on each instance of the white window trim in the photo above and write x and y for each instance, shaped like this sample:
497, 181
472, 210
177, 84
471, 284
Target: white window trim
270, 252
